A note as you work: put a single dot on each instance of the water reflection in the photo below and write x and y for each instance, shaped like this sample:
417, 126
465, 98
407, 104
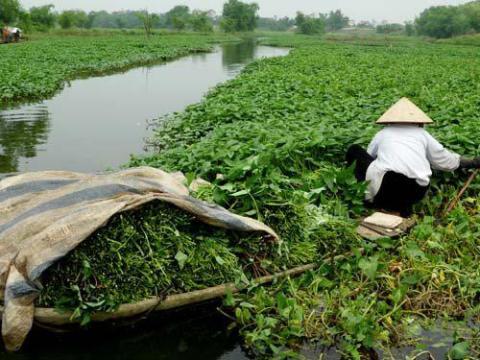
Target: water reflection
96, 123
197, 333
21, 134
234, 56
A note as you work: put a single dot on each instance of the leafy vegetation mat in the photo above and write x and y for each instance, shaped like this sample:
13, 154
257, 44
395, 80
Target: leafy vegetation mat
38, 68
277, 135
161, 250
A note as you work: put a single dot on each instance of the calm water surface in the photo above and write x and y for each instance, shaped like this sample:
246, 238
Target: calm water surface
197, 334
96, 123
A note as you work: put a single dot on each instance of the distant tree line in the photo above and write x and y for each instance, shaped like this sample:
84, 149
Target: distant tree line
178, 18
440, 22
276, 24
448, 21
436, 21
45, 17
314, 25
238, 16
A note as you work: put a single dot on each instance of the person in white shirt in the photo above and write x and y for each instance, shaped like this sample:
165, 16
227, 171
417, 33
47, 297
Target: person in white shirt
10, 34
16, 33
398, 162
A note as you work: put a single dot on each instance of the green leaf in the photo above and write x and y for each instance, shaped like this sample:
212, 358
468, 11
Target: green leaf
229, 300
413, 251
281, 301
86, 319
398, 295
386, 242
459, 351
219, 260
181, 259
369, 267
240, 193
247, 305
190, 177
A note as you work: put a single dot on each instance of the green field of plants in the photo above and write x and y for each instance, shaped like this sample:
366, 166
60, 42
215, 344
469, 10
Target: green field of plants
278, 133
38, 68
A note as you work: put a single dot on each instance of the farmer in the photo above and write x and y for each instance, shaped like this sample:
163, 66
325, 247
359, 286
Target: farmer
10, 34
16, 34
398, 161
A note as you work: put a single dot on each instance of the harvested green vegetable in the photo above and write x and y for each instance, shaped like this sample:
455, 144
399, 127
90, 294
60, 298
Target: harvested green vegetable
161, 250
158, 250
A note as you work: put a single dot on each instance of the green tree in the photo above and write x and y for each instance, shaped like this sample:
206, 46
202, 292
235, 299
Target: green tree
81, 19
120, 22
442, 22
275, 24
239, 16
409, 28
300, 19
24, 21
178, 17
310, 25
101, 19
149, 21
200, 21
73, 18
43, 17
179, 23
90, 19
336, 20
472, 12
66, 19
389, 28
9, 11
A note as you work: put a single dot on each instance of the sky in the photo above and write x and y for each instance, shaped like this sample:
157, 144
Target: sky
389, 10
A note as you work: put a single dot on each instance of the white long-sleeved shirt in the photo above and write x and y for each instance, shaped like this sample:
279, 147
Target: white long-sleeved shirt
13, 30
409, 150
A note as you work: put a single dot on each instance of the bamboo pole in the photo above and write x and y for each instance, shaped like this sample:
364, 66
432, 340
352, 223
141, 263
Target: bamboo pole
457, 198
52, 317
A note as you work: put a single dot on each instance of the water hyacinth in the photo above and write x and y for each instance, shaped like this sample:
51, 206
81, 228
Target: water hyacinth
278, 134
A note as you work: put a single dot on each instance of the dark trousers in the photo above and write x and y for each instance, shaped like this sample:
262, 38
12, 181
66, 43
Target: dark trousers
397, 193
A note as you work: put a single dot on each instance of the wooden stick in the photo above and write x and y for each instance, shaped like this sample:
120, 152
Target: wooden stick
52, 317
457, 198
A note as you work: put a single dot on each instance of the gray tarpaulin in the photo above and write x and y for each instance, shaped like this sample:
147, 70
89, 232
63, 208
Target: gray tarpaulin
45, 215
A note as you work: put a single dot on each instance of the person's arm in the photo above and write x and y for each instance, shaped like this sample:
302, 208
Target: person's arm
469, 163
439, 157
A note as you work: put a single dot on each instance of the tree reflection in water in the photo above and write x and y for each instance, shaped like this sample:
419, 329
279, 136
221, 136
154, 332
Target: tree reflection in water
236, 55
21, 133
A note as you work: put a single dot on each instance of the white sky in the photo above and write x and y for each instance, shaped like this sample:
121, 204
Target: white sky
390, 10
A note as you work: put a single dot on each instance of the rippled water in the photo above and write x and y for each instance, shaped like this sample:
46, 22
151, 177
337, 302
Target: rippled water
96, 123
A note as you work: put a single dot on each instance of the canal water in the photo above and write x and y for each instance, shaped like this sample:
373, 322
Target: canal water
199, 333
97, 123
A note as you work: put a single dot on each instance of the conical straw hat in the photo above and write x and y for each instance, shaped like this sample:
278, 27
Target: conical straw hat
404, 112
